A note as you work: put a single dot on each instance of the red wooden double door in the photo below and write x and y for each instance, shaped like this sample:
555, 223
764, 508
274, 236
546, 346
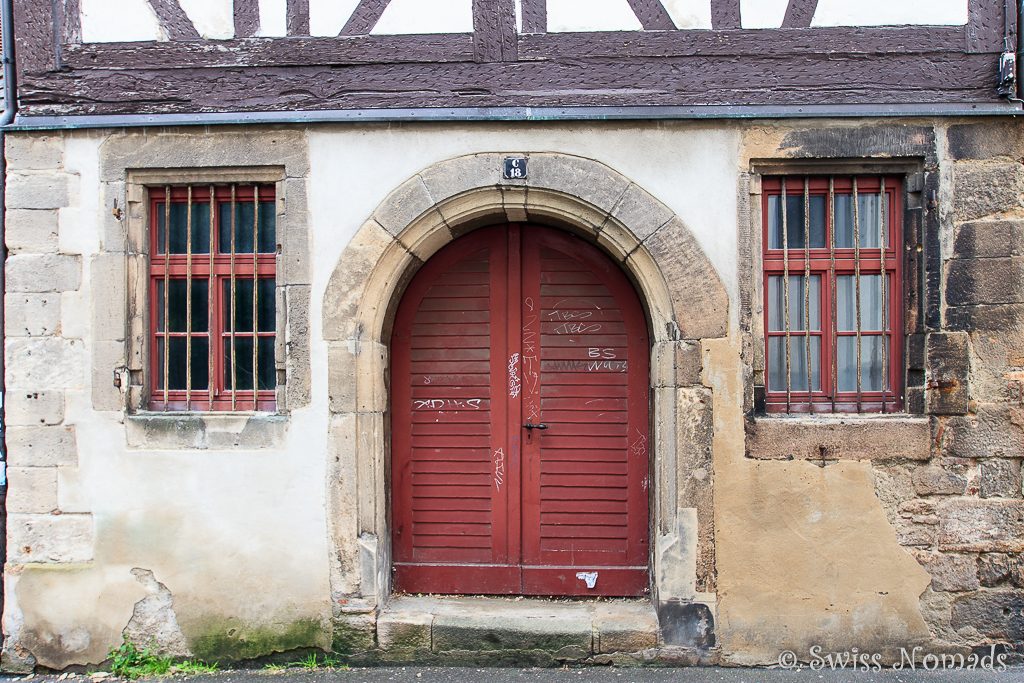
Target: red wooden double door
520, 421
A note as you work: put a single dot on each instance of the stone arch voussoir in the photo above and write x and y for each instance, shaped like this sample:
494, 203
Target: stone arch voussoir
685, 295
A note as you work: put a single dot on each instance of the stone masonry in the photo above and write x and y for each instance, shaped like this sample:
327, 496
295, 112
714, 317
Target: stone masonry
961, 513
44, 355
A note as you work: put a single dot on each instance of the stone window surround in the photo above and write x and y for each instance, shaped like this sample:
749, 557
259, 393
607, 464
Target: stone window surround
824, 437
125, 177
194, 429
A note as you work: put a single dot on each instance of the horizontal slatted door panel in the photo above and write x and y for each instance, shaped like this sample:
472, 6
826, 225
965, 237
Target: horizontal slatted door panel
448, 419
587, 508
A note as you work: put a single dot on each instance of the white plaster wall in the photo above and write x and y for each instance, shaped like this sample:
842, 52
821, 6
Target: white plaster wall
328, 17
890, 12
689, 13
107, 21
591, 15
762, 13
689, 167
425, 16
212, 18
273, 18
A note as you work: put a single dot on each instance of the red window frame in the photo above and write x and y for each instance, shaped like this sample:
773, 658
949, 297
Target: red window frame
216, 271
829, 264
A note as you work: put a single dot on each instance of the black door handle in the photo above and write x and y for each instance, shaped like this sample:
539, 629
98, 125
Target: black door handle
530, 425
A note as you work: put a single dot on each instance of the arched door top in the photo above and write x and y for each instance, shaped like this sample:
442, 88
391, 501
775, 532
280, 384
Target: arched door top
682, 291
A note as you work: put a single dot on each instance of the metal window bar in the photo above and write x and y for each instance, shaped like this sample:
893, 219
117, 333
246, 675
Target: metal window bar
856, 278
255, 296
167, 293
234, 312
188, 299
807, 293
785, 294
882, 243
211, 307
832, 284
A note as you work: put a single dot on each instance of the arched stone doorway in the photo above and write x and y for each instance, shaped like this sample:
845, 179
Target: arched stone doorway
681, 292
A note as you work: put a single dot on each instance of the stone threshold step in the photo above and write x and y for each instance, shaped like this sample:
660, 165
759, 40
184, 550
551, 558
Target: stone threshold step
576, 628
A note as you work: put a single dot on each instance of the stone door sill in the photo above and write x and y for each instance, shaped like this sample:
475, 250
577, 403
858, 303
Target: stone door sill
567, 629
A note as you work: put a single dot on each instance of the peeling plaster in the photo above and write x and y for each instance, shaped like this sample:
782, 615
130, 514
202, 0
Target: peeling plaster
806, 555
153, 619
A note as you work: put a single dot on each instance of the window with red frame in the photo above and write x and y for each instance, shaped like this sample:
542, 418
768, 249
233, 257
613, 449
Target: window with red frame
833, 331
213, 253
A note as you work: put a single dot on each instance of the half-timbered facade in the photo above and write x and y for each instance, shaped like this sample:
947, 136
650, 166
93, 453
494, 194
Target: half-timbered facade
333, 324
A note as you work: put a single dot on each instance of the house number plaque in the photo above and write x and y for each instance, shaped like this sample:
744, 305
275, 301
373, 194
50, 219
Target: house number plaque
515, 167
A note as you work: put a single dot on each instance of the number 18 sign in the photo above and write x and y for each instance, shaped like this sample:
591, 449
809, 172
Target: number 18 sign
515, 167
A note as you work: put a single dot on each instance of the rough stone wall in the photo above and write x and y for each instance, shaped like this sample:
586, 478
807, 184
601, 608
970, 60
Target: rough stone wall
962, 513
948, 476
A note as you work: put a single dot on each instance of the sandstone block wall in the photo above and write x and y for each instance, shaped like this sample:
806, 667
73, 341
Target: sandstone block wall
44, 360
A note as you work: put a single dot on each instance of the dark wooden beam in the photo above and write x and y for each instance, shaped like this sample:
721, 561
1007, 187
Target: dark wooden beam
573, 81
298, 17
652, 15
752, 43
725, 14
749, 45
247, 18
535, 16
71, 21
273, 52
364, 17
34, 36
799, 13
987, 24
173, 20
494, 31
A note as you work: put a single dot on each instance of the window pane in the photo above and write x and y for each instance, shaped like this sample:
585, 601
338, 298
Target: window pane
267, 228
243, 363
201, 228
776, 303
266, 304
243, 305
870, 303
177, 308
160, 306
159, 364
177, 363
267, 369
871, 363
867, 217
200, 363
795, 221
179, 221
798, 363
